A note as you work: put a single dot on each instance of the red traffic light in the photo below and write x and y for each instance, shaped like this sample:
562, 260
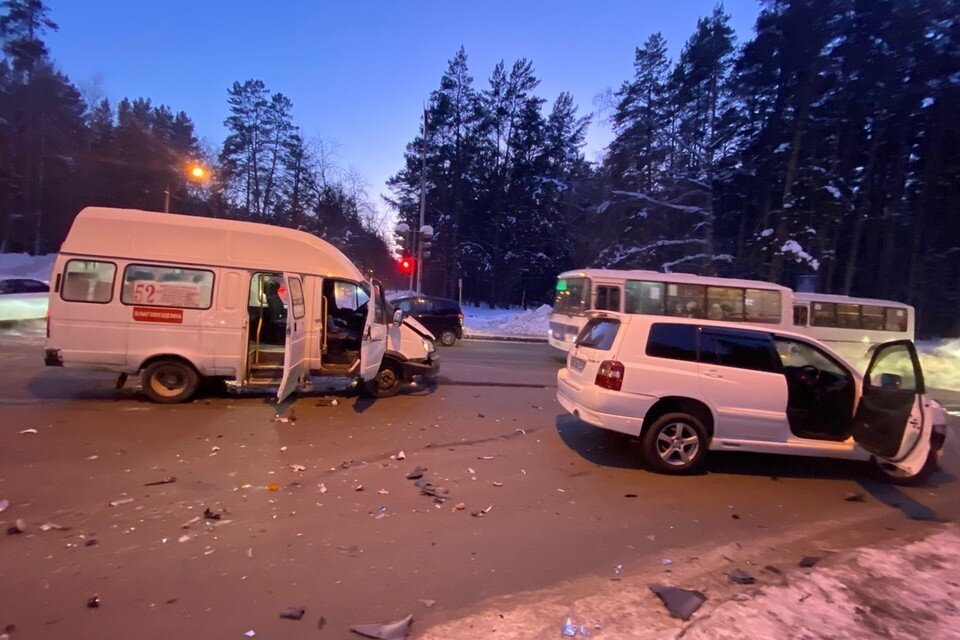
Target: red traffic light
406, 265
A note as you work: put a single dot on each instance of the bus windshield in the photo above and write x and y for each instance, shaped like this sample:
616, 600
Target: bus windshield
573, 295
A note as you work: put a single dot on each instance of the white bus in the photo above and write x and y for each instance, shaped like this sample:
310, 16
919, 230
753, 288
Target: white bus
666, 294
852, 325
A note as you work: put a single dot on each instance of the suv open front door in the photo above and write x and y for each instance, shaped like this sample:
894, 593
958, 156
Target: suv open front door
889, 422
295, 363
374, 343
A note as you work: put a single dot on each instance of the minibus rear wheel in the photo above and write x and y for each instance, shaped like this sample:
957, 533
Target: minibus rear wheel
168, 381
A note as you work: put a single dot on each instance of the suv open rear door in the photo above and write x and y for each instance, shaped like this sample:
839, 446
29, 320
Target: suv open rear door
889, 422
295, 364
374, 343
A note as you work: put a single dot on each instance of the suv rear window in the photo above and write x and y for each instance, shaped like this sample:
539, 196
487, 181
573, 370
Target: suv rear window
598, 333
674, 341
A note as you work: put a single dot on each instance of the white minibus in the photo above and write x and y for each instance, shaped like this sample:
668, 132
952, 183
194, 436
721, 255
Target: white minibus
179, 299
664, 294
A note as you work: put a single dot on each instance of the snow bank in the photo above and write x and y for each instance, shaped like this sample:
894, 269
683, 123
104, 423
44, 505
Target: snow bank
27, 266
899, 593
531, 323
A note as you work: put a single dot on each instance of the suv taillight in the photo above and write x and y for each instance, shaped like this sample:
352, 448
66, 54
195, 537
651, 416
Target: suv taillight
610, 375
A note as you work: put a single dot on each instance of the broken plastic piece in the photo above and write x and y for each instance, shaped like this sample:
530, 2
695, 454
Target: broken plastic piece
250, 633
158, 482
297, 467
389, 631
569, 627
273, 486
681, 603
210, 515
4, 505
25, 431
93, 602
120, 501
854, 496
808, 561
293, 613
51, 526
428, 602
18, 526
401, 455
416, 474
739, 576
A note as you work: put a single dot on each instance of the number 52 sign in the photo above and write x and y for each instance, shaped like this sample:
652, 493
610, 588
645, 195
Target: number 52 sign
144, 292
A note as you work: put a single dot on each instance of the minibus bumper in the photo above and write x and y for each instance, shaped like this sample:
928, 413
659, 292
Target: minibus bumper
426, 368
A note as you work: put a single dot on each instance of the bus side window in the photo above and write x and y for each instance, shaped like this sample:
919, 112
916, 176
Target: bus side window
608, 298
800, 314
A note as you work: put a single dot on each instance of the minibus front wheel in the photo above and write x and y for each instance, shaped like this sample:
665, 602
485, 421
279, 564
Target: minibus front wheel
387, 381
169, 380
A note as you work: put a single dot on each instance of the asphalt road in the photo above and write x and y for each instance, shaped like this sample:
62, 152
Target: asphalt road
318, 512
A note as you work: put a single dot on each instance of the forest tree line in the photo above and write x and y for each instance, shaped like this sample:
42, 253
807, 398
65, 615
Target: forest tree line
61, 150
826, 145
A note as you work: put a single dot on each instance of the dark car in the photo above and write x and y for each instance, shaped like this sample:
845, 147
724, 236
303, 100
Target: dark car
442, 317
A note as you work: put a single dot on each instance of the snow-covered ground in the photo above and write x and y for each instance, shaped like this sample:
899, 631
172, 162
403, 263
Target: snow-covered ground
26, 266
530, 323
895, 590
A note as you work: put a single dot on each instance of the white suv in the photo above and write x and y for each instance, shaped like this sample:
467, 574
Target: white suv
685, 386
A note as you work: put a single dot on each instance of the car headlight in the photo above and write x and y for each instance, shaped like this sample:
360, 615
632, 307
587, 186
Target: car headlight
428, 346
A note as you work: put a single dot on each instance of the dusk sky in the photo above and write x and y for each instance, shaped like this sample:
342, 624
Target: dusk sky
358, 72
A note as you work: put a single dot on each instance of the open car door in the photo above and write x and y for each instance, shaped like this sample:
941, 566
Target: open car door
889, 422
295, 364
374, 343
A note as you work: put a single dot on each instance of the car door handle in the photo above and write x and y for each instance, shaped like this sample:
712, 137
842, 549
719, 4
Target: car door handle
712, 373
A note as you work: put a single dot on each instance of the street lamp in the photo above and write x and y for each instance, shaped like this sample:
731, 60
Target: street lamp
194, 172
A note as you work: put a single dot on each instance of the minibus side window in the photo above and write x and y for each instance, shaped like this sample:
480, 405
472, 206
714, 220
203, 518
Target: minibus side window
161, 286
88, 281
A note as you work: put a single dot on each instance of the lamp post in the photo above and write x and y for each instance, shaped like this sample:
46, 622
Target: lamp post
195, 172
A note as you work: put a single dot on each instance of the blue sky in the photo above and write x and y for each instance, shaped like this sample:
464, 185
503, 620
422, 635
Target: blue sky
358, 72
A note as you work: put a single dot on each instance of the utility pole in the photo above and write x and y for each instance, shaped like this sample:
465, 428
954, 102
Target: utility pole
418, 265
166, 199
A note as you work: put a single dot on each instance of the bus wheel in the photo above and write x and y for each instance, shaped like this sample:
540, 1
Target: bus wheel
386, 383
168, 381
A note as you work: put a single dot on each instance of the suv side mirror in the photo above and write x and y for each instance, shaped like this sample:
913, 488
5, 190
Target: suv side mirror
890, 381
397, 316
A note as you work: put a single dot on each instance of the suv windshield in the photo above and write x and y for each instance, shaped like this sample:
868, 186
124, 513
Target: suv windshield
573, 295
599, 333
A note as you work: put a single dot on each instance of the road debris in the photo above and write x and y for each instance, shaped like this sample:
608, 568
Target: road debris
772, 569
428, 602
681, 603
739, 576
388, 631
4, 505
26, 431
459, 506
854, 496
93, 457
484, 457
808, 561
482, 512
322, 622
401, 455
297, 467
250, 633
497, 484
18, 526
617, 570
120, 501
416, 474
52, 526
184, 538
359, 487
186, 525
322, 487
293, 613
93, 602
666, 562
427, 488
273, 486
166, 480
210, 515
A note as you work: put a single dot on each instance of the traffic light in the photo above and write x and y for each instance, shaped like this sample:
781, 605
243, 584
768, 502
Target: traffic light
406, 265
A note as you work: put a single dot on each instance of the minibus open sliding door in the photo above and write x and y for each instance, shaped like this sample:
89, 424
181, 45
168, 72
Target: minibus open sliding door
295, 348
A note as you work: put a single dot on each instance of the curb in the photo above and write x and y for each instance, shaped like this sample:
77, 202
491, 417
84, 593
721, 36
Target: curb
528, 339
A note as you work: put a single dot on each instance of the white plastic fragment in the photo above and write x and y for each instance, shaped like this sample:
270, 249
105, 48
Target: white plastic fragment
31, 430
401, 455
4, 505
120, 501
